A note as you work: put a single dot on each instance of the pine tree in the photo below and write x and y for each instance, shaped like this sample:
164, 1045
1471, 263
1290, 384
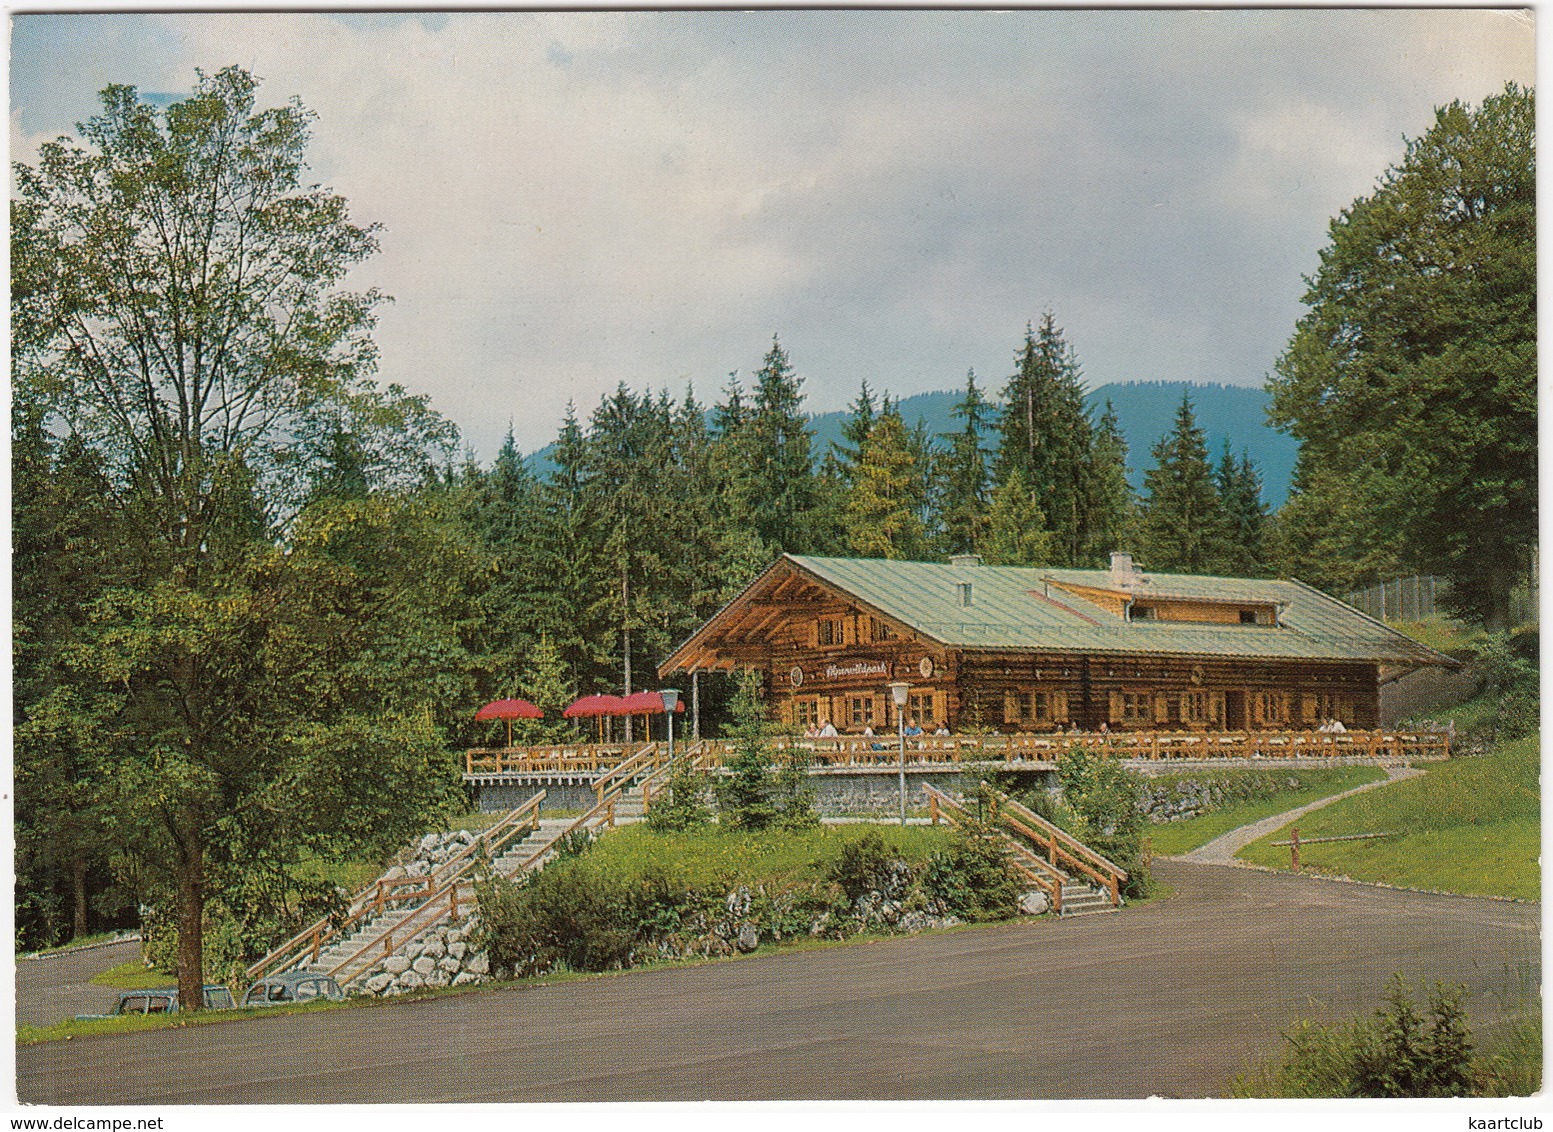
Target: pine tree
546, 684
1111, 507
1239, 484
884, 504
1182, 527
1046, 433
771, 481
1016, 527
962, 475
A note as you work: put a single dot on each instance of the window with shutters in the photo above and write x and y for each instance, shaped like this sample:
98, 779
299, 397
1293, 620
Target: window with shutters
920, 708
1136, 707
806, 713
860, 711
1205, 709
1272, 708
830, 631
881, 631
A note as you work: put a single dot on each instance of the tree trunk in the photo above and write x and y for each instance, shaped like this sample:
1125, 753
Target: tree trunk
625, 633
191, 921
78, 896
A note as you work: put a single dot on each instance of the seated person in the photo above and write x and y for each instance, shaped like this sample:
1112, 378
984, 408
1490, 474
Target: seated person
912, 728
943, 729
827, 729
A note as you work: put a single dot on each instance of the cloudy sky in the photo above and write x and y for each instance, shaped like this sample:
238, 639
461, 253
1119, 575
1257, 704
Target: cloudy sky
573, 200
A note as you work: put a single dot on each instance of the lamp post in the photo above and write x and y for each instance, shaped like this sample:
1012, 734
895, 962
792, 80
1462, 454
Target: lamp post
670, 702
898, 693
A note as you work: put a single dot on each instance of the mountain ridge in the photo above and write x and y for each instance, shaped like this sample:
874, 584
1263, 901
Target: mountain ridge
1145, 411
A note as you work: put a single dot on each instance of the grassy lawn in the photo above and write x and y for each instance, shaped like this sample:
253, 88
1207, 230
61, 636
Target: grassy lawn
712, 857
1468, 825
1183, 836
133, 975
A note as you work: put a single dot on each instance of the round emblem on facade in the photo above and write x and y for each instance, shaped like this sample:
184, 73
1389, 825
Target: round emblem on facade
795, 677
1197, 674
926, 668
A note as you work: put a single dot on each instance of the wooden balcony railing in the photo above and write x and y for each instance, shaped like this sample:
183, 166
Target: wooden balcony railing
854, 751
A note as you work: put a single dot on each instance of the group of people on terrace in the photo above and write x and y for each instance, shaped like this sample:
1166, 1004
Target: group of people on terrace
825, 729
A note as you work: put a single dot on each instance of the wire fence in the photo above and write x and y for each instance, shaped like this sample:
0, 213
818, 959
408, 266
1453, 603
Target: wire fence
1419, 596
1401, 599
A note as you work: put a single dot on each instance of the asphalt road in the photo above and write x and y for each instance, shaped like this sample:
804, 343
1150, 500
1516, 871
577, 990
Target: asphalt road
1168, 999
54, 987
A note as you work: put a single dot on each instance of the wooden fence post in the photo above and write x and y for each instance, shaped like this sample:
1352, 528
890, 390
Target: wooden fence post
1294, 849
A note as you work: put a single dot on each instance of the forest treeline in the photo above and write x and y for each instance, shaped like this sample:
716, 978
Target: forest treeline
258, 596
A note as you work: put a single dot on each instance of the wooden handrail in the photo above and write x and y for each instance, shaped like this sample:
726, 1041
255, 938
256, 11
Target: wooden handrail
648, 755
324, 929
1019, 857
1100, 860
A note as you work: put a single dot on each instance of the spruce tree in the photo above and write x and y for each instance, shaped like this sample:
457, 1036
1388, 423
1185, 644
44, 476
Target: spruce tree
1182, 527
884, 504
771, 480
962, 475
1016, 527
1046, 433
1239, 484
1111, 507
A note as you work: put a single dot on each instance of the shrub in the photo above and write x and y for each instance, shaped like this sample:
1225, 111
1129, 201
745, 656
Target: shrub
1400, 1051
1509, 682
683, 806
973, 878
861, 866
1100, 805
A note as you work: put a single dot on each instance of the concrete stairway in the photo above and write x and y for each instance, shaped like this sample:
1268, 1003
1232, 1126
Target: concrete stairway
1083, 899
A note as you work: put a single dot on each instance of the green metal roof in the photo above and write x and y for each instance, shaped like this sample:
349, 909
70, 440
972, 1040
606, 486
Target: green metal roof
1014, 608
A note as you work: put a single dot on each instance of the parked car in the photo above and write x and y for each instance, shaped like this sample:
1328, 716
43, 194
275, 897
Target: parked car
292, 986
162, 1000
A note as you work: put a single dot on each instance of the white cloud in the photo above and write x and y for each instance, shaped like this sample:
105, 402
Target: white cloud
571, 200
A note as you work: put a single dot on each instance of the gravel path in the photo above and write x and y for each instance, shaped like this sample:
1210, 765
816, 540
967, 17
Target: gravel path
1222, 849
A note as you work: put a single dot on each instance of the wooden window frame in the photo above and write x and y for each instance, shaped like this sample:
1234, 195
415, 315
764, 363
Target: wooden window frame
860, 710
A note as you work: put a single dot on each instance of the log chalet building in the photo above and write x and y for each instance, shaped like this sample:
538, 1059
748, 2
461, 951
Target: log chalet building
1019, 649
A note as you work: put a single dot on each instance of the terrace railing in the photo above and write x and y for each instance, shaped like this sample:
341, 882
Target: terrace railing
563, 758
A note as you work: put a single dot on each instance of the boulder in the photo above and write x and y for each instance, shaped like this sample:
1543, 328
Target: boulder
449, 964
464, 978
377, 984
412, 951
457, 948
396, 965
410, 980
478, 964
913, 922
456, 936
1034, 903
749, 938
434, 948
437, 979
427, 843
424, 966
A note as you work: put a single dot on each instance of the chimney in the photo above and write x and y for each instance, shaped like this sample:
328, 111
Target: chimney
1123, 572
966, 560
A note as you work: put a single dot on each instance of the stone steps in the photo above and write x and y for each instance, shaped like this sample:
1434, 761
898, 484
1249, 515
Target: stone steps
1085, 900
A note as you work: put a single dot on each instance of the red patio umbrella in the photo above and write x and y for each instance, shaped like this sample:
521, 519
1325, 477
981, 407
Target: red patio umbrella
509, 710
647, 703
597, 705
